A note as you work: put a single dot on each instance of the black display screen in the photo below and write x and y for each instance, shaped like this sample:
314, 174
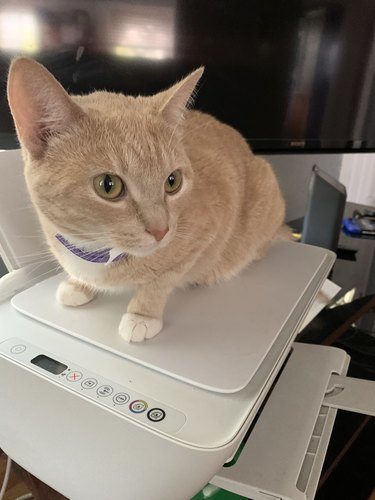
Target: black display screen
49, 364
289, 75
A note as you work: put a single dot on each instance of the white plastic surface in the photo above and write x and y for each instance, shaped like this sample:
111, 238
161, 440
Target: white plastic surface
351, 394
326, 294
21, 239
24, 277
87, 452
232, 325
121, 399
285, 451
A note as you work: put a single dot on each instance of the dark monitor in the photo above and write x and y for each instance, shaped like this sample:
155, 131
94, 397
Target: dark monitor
289, 75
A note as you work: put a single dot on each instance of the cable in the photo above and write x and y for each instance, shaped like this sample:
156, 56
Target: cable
6, 478
25, 497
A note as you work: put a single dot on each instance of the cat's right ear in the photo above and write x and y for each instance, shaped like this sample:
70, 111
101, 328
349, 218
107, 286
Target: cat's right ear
40, 106
172, 103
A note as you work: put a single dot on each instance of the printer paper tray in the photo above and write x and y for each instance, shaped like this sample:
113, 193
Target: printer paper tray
284, 454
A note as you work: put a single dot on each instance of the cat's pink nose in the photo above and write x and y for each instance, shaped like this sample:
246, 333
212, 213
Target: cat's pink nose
158, 234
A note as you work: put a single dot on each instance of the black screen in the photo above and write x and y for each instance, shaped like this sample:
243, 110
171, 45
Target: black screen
289, 74
49, 364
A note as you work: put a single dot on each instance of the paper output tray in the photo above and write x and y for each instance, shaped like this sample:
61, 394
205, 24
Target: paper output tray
284, 453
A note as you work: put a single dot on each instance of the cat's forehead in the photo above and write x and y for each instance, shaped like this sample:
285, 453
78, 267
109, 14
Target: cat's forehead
121, 134
125, 117
102, 100
114, 105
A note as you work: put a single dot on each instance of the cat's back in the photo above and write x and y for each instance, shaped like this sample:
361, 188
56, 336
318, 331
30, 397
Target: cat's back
240, 192
204, 132
218, 149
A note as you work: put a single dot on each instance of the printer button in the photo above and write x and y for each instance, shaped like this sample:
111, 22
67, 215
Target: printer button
138, 406
121, 398
156, 415
104, 390
89, 383
74, 376
18, 349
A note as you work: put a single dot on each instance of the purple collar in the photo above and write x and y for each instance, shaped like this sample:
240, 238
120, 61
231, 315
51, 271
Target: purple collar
98, 256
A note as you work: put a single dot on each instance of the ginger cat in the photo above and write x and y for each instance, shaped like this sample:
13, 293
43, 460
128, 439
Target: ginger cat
140, 191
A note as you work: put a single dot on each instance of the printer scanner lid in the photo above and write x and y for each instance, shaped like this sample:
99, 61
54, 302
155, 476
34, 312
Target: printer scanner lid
213, 337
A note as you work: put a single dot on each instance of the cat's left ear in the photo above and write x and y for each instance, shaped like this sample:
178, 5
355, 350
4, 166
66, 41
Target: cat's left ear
173, 102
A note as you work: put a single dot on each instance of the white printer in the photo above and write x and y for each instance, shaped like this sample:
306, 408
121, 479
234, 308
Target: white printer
95, 417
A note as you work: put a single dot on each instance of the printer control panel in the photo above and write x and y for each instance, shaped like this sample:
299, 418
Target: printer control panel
117, 398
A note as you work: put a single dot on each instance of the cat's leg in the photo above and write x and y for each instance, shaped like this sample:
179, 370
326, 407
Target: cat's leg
144, 317
74, 293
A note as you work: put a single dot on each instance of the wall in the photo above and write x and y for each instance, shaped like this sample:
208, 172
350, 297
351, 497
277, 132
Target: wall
294, 171
358, 175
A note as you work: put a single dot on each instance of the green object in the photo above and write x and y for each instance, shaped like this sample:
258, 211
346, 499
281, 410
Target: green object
211, 492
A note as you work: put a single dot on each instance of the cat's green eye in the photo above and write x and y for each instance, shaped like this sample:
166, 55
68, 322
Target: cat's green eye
173, 182
109, 186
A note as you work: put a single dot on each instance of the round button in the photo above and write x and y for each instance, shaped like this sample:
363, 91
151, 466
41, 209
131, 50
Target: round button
156, 415
74, 376
121, 398
89, 383
17, 349
138, 406
104, 390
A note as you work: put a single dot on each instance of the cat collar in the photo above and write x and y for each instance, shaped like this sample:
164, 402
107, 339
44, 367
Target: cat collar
103, 256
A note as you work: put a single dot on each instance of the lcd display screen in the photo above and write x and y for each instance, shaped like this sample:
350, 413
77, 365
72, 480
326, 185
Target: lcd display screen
49, 364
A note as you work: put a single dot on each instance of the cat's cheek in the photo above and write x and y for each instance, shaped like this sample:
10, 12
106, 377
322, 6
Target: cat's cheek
137, 328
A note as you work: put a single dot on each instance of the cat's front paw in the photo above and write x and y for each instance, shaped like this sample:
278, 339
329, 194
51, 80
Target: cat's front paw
72, 293
137, 328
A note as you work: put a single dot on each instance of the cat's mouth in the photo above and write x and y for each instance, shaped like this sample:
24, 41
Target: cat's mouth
101, 256
143, 249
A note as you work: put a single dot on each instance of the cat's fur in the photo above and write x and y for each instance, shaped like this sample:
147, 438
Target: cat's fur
227, 212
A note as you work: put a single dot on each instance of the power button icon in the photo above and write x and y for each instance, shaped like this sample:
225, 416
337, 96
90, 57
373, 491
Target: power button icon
18, 349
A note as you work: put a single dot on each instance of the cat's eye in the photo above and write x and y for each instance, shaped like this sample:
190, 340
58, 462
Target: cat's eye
109, 186
173, 182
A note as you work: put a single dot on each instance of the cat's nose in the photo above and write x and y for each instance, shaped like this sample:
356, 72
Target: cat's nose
158, 234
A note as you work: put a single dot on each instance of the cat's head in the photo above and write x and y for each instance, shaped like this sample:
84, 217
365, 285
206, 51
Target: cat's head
103, 169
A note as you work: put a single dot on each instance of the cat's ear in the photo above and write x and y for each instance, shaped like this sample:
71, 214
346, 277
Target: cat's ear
40, 106
173, 102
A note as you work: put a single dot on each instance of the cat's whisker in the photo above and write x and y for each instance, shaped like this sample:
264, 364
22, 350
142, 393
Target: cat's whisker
29, 237
38, 262
83, 234
51, 271
38, 253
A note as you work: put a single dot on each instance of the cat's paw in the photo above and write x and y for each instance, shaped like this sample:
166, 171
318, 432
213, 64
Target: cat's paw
71, 293
137, 328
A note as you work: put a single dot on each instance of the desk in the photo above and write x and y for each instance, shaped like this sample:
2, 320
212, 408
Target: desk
360, 273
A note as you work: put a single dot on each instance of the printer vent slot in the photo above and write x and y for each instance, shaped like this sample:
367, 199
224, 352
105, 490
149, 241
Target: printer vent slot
312, 449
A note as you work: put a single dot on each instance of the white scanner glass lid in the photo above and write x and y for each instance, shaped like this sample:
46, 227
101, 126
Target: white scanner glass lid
213, 337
